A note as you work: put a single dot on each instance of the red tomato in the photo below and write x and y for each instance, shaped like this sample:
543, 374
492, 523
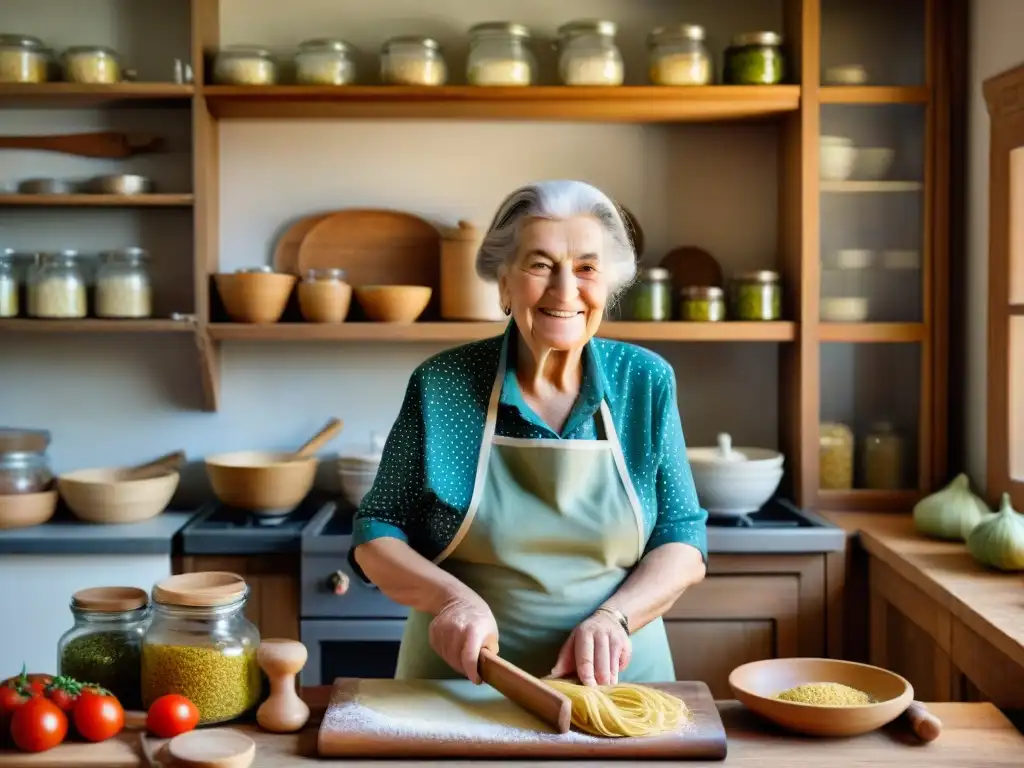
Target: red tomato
34, 683
98, 715
38, 725
11, 699
64, 692
170, 715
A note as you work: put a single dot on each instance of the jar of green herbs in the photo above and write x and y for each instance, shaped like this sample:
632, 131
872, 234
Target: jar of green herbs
755, 58
702, 304
200, 645
650, 299
105, 644
757, 296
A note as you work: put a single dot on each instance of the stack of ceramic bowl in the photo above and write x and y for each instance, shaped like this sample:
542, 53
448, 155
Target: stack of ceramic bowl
356, 472
732, 482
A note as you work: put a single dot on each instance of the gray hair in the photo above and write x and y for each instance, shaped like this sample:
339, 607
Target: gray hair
558, 199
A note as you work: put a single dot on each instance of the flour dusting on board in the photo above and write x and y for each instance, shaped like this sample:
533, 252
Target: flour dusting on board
442, 711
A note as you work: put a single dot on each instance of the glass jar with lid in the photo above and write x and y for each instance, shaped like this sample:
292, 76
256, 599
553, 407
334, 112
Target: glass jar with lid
413, 60
883, 458
57, 287
650, 299
123, 288
499, 54
702, 304
245, 65
678, 56
24, 471
324, 62
757, 296
755, 58
835, 457
324, 296
104, 646
24, 59
92, 64
588, 53
8, 285
200, 645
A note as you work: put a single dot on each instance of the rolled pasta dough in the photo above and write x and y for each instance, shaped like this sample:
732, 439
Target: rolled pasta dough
625, 709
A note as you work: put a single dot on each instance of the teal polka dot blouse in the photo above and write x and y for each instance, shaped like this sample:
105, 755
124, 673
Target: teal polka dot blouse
425, 481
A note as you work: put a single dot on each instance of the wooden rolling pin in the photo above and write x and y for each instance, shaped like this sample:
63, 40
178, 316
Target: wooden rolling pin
107, 144
519, 686
927, 726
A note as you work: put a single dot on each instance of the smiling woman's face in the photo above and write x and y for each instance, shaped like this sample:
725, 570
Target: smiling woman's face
558, 285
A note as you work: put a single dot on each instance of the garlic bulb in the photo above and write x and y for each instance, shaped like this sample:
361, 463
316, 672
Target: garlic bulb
950, 513
999, 541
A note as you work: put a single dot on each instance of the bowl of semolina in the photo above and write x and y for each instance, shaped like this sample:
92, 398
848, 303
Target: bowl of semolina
822, 697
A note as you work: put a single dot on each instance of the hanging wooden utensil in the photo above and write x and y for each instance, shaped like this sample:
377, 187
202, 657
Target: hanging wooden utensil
692, 266
168, 462
286, 252
104, 144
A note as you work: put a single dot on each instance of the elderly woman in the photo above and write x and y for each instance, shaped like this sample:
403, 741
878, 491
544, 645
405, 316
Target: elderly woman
534, 496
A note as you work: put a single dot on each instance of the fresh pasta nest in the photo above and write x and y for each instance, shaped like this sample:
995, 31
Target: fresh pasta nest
625, 709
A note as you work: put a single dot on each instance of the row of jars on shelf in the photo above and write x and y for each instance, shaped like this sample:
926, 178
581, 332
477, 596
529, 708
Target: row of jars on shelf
500, 55
57, 285
752, 296
881, 457
27, 59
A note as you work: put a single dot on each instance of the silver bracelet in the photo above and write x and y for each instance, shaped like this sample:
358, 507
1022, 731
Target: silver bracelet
618, 615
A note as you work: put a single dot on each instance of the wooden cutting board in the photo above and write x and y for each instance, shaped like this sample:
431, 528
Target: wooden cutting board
286, 252
454, 718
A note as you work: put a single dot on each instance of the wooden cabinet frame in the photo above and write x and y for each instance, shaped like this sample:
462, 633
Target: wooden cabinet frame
1004, 95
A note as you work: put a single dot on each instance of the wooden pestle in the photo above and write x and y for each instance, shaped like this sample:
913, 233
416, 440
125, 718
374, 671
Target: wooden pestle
283, 711
926, 726
519, 686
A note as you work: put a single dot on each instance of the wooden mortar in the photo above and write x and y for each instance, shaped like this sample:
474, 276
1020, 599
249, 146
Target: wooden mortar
283, 711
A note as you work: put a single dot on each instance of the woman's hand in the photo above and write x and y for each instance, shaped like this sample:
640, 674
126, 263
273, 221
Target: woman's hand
462, 627
596, 651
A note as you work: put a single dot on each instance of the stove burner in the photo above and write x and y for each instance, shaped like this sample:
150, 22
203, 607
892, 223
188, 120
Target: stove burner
777, 513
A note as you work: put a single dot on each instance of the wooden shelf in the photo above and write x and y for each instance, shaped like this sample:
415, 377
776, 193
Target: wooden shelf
92, 325
66, 95
98, 201
873, 94
870, 186
872, 332
464, 332
639, 104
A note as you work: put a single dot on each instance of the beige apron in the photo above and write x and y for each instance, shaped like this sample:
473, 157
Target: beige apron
552, 531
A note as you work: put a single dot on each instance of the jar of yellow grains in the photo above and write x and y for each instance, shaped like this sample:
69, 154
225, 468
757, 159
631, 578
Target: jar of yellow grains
201, 646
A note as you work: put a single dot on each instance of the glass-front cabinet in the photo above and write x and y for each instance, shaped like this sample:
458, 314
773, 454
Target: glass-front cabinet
878, 254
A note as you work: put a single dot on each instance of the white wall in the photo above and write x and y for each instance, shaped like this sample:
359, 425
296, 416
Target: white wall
996, 45
120, 399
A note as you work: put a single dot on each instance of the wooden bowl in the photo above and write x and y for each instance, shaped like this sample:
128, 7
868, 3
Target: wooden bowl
758, 683
324, 301
394, 303
254, 297
101, 496
22, 510
260, 481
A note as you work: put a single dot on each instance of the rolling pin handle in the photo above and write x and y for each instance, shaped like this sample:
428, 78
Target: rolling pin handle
926, 726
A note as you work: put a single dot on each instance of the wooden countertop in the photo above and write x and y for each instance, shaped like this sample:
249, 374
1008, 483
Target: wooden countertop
989, 602
978, 735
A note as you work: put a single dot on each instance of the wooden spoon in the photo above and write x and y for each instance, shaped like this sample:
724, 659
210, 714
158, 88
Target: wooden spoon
317, 441
107, 144
167, 462
926, 726
519, 686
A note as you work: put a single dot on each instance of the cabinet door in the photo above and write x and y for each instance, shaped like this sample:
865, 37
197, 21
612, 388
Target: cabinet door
728, 620
273, 588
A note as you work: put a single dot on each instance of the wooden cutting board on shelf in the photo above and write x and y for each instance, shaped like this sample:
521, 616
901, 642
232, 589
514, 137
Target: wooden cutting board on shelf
454, 718
286, 252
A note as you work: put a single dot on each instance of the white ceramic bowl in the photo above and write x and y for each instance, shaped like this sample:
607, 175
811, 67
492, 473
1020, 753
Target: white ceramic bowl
355, 485
837, 158
734, 481
873, 163
854, 258
844, 309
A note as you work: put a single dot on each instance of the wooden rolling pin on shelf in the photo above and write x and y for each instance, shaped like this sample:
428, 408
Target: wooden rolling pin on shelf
105, 144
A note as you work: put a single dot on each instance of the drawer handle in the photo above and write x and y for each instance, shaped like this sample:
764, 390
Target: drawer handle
339, 582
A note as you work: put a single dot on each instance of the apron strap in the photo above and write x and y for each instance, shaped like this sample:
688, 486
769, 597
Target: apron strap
620, 463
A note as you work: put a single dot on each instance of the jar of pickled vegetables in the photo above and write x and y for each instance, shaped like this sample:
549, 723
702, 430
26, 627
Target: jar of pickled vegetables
650, 300
201, 646
883, 458
755, 58
835, 457
701, 303
757, 296
92, 65
24, 59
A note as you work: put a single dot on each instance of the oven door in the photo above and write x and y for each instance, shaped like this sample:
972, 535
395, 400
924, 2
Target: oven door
350, 648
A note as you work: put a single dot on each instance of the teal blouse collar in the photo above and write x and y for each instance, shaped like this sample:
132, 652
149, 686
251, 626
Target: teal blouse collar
593, 389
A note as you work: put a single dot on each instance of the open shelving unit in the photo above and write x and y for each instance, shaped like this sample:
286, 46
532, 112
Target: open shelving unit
796, 109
